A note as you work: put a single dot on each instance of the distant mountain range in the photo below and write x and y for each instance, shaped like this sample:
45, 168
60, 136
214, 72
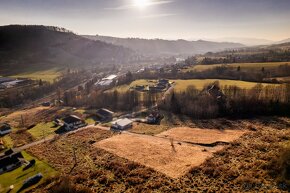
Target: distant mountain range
246, 41
24, 47
251, 41
159, 47
283, 41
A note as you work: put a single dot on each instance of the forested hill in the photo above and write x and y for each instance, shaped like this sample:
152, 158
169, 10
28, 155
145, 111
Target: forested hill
167, 47
43, 46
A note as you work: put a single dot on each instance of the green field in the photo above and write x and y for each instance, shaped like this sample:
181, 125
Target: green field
8, 142
43, 129
16, 177
140, 82
181, 85
45, 75
244, 66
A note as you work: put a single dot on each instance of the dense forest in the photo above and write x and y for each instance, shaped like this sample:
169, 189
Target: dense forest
230, 101
42, 47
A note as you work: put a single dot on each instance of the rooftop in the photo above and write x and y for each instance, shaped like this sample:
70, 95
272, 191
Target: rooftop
105, 112
123, 122
110, 77
71, 119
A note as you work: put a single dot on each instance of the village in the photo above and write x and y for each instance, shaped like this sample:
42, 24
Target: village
131, 126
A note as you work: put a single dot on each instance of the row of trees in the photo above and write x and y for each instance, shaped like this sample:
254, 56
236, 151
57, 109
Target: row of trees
117, 101
260, 100
246, 56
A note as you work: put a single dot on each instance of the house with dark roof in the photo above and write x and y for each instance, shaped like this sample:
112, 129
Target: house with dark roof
10, 162
73, 122
5, 128
105, 115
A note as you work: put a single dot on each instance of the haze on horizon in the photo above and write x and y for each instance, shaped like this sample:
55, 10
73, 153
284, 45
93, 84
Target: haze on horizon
166, 19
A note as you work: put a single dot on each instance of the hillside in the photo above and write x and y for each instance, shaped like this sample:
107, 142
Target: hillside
284, 41
38, 47
167, 47
256, 54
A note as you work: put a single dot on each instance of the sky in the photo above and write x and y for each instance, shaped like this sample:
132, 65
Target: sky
166, 19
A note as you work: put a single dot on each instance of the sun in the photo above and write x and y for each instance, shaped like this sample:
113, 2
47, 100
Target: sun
141, 3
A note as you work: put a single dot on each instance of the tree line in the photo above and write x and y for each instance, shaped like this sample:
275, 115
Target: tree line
234, 101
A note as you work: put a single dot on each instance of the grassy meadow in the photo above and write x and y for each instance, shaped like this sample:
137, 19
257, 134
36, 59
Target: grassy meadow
45, 75
244, 66
41, 129
17, 176
181, 85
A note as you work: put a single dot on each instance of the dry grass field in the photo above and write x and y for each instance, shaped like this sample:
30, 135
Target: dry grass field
46, 75
158, 153
28, 115
248, 164
203, 136
142, 128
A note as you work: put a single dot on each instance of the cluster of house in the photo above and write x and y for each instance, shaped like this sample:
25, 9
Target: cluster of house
10, 160
106, 82
7, 82
73, 122
106, 115
160, 86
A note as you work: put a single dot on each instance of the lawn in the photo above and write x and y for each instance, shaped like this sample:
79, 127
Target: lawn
90, 120
45, 75
16, 177
43, 129
244, 66
8, 142
181, 85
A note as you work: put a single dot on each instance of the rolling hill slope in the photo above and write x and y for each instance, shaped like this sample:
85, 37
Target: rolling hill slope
167, 47
23, 47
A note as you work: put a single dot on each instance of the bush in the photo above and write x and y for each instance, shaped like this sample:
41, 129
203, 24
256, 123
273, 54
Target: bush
65, 186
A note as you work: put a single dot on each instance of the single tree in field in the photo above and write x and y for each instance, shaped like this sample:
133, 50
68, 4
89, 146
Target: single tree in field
263, 69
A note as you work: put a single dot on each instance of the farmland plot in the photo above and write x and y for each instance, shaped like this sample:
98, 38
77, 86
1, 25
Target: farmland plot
158, 153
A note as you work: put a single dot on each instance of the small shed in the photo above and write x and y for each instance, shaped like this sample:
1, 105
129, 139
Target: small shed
122, 124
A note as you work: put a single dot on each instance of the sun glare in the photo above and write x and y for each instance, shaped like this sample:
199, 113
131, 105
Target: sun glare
141, 3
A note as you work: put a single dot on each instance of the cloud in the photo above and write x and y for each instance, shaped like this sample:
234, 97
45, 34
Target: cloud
158, 15
130, 6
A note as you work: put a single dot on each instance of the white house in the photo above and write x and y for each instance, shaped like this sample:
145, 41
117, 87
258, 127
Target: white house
122, 124
5, 129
